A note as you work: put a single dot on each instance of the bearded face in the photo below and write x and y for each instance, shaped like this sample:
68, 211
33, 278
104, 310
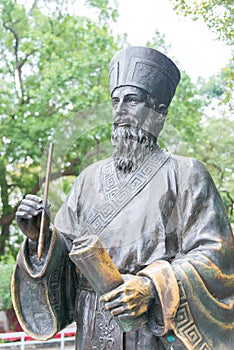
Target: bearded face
130, 147
136, 126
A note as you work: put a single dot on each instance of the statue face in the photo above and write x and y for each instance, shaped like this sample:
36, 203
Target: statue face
129, 106
132, 140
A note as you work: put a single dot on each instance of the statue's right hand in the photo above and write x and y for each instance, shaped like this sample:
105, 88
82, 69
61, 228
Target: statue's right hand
28, 216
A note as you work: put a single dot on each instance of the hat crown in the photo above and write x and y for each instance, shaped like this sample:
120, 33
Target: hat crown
147, 69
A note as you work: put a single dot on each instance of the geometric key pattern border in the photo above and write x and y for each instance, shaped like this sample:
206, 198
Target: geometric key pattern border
119, 197
185, 324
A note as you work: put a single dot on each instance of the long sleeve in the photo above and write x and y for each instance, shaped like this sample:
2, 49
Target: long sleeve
43, 291
202, 271
204, 265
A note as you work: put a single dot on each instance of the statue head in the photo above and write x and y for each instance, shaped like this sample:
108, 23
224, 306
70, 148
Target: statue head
147, 69
142, 84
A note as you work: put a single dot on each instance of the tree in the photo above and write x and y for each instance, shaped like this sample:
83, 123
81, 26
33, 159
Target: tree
215, 148
54, 65
183, 123
215, 142
217, 14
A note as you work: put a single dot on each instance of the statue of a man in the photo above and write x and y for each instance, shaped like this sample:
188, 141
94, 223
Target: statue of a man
161, 220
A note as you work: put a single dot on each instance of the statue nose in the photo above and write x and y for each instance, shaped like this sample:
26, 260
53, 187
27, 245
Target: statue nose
121, 108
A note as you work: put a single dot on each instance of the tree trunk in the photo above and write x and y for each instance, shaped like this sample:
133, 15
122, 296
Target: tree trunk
6, 207
5, 233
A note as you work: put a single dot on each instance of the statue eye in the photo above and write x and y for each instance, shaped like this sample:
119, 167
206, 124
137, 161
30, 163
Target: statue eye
115, 101
132, 101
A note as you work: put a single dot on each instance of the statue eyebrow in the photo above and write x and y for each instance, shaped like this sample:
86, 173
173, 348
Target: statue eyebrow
130, 94
135, 95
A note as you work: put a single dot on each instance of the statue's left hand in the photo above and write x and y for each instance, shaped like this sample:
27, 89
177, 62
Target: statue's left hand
130, 299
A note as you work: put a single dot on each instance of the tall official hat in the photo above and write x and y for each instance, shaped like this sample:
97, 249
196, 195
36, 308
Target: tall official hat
147, 69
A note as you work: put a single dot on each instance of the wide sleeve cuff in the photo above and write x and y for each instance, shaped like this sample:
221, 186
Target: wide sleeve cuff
41, 288
165, 283
28, 260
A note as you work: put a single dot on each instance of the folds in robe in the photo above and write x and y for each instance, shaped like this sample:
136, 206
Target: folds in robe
174, 231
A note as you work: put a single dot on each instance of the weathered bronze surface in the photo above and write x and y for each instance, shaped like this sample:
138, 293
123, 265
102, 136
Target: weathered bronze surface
90, 256
160, 225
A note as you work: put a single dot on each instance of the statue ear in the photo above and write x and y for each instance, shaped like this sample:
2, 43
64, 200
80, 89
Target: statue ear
162, 109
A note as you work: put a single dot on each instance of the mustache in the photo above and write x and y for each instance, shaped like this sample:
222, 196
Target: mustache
130, 132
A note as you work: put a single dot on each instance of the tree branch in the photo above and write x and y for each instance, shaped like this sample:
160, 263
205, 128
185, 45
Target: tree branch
33, 6
15, 47
25, 59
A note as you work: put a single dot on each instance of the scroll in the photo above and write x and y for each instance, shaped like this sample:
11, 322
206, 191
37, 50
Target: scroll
91, 257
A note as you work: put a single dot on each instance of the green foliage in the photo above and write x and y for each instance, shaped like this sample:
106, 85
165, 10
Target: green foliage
54, 65
217, 14
215, 148
6, 270
185, 112
214, 144
87, 140
54, 69
220, 88
106, 9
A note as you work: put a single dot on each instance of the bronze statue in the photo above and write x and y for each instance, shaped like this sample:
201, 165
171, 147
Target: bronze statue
161, 221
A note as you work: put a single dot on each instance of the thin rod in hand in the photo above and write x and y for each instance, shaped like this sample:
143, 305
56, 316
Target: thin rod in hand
45, 198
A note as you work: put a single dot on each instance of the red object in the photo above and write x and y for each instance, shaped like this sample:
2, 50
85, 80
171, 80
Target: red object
13, 321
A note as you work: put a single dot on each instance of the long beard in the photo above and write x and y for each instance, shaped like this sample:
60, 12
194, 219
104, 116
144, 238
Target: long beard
131, 146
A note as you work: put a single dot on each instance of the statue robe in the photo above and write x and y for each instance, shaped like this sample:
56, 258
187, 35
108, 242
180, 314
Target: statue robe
174, 230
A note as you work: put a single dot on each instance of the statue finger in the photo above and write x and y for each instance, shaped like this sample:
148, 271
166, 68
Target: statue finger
23, 215
121, 310
127, 314
132, 310
28, 210
113, 304
31, 204
34, 198
112, 294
